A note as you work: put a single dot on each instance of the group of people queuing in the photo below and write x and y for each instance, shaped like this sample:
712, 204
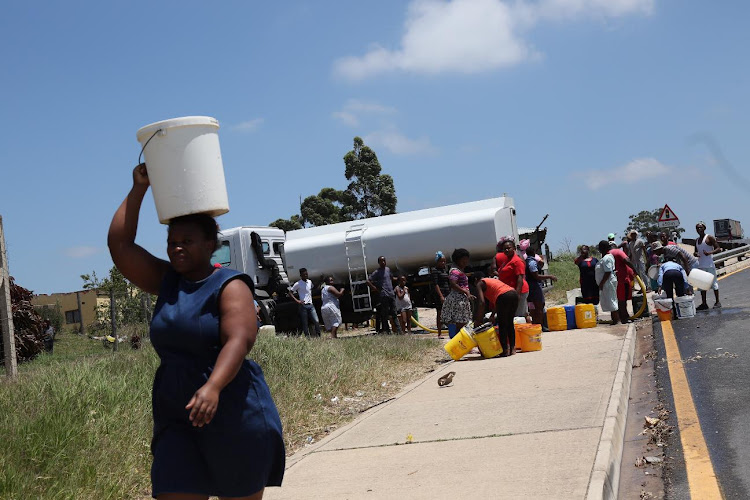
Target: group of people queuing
608, 281
330, 308
513, 289
394, 302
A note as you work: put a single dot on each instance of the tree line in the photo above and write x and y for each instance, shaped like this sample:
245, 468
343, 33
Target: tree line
370, 193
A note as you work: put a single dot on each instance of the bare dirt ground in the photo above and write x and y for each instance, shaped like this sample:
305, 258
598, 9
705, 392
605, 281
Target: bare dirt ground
427, 318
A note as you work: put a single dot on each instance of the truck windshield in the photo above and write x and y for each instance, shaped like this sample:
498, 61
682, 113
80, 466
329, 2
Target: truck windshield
222, 255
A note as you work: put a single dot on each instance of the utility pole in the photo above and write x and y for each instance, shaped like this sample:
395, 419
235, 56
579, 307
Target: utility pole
6, 312
82, 330
113, 315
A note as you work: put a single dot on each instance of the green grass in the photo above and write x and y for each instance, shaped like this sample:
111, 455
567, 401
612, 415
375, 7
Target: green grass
567, 274
77, 424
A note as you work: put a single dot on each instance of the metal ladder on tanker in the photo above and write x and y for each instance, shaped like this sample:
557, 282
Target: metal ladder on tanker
355, 256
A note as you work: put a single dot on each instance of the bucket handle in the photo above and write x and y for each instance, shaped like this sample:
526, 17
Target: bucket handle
144, 146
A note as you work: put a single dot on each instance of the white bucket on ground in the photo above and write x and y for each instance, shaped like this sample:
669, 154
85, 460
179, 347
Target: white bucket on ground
663, 304
685, 306
184, 166
701, 279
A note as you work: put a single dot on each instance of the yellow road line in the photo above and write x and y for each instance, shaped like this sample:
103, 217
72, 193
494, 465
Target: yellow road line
733, 272
700, 472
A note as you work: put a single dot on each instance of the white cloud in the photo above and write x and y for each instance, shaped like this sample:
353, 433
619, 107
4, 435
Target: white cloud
81, 252
472, 36
567, 9
399, 144
355, 108
631, 173
249, 126
346, 118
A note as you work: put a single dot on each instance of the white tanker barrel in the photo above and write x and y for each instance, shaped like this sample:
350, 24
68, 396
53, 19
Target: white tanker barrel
408, 240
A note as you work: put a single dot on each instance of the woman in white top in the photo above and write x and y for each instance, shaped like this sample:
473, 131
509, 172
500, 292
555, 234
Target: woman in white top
705, 248
606, 279
330, 310
403, 304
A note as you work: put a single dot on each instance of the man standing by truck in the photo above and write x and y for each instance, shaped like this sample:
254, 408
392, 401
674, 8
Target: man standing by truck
705, 248
381, 282
307, 312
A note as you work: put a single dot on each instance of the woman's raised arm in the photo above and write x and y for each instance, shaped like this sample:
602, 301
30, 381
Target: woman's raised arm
137, 265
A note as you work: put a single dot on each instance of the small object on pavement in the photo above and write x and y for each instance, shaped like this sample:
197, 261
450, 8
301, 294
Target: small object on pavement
446, 379
651, 421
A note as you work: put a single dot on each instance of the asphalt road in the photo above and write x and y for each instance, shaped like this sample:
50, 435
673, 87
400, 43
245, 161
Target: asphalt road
715, 351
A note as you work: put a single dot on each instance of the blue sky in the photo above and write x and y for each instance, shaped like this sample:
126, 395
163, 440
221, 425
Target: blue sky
589, 110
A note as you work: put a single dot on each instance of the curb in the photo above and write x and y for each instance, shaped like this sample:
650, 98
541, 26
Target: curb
605, 475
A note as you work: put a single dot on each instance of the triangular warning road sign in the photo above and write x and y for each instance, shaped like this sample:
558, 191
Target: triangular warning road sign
667, 214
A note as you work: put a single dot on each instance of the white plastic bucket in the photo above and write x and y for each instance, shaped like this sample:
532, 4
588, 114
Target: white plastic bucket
700, 279
184, 165
685, 306
663, 304
653, 272
519, 320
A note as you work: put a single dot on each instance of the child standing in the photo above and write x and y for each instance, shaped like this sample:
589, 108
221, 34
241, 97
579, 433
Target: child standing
403, 304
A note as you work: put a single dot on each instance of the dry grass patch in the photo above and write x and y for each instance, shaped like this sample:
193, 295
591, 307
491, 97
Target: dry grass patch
77, 424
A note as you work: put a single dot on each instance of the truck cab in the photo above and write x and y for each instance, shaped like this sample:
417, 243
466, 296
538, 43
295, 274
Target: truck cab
257, 251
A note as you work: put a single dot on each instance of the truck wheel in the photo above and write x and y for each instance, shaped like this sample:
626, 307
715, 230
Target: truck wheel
267, 311
286, 317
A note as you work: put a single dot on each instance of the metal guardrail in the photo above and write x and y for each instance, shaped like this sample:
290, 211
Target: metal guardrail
739, 252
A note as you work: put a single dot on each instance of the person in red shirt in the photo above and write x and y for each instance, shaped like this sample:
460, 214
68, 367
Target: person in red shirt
625, 272
502, 300
664, 239
511, 270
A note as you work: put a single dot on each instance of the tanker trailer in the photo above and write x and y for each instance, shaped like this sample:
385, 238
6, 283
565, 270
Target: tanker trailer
348, 251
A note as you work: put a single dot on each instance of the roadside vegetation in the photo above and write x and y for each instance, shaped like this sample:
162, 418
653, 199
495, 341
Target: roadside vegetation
77, 424
567, 274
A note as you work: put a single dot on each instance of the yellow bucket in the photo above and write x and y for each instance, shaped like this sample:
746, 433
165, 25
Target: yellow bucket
460, 345
586, 315
529, 337
556, 319
488, 342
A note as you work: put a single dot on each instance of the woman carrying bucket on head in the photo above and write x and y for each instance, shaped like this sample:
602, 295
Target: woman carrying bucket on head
216, 428
456, 311
502, 300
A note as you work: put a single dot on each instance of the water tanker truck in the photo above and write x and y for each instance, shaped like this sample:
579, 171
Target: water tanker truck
348, 251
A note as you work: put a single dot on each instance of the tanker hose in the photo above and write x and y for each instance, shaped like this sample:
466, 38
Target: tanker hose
636, 314
417, 323
643, 291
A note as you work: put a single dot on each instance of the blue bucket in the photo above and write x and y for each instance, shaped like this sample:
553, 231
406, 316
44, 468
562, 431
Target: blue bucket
570, 315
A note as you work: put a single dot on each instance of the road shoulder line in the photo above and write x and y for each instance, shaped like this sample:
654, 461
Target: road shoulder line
701, 476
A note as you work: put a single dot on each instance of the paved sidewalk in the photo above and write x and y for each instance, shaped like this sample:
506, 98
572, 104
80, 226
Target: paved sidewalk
544, 424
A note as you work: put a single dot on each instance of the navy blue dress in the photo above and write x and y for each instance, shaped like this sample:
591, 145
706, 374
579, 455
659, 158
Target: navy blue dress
241, 451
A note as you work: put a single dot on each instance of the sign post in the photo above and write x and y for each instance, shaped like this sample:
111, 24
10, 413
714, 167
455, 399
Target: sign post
6, 312
668, 218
